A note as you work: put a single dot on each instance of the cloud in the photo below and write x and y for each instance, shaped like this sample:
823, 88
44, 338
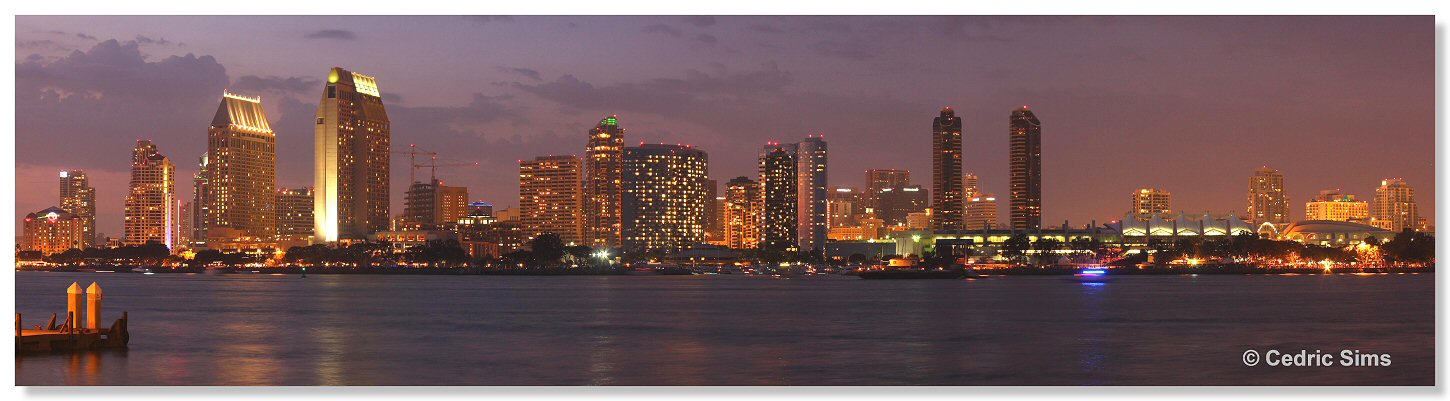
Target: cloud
706, 39
149, 41
663, 29
484, 19
853, 51
85, 36
663, 95
526, 72
700, 20
286, 85
332, 34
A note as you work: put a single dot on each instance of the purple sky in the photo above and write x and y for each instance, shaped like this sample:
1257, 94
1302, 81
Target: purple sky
1188, 104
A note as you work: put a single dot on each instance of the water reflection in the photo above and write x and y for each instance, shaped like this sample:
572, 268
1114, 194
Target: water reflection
1091, 359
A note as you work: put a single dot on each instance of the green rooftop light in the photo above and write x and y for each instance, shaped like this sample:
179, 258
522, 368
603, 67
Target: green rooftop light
610, 121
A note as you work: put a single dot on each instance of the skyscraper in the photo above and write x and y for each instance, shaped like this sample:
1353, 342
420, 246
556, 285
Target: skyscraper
714, 230
971, 185
1394, 206
811, 188
876, 179
982, 212
351, 167
843, 207
1152, 200
602, 187
151, 206
1268, 203
196, 236
779, 198
79, 198
294, 214
242, 171
742, 213
946, 171
551, 196
1025, 158
1336, 206
895, 204
663, 198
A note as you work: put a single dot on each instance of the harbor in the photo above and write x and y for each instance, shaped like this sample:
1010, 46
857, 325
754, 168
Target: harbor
80, 331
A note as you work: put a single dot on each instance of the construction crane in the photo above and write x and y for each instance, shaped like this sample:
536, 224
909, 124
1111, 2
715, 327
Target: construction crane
433, 165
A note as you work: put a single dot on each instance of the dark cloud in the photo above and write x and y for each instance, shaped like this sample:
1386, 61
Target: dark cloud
706, 39
149, 41
526, 72
853, 51
332, 34
663, 29
85, 36
662, 95
700, 20
766, 28
275, 84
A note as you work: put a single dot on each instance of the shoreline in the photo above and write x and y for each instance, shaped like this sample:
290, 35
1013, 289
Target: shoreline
1014, 271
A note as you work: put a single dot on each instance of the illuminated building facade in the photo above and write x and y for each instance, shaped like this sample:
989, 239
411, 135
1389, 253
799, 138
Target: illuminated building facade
971, 185
811, 220
714, 229
946, 171
1268, 203
1152, 200
196, 236
603, 163
551, 196
294, 213
431, 205
779, 199
843, 207
1137, 228
151, 205
742, 213
1025, 167
663, 198
51, 231
884, 178
351, 167
78, 197
982, 212
241, 171
1335, 206
894, 204
1394, 206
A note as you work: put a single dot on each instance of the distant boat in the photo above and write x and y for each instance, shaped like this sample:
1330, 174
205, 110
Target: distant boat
907, 269
141, 270
1091, 274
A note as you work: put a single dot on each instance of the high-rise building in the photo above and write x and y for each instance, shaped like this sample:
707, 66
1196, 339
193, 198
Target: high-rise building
946, 171
78, 197
811, 221
1268, 203
1025, 159
971, 185
982, 212
895, 204
188, 224
431, 205
663, 199
241, 181
196, 236
151, 205
1152, 200
1336, 206
351, 167
742, 213
602, 187
779, 198
51, 231
884, 178
843, 207
294, 214
1394, 206
714, 231
551, 196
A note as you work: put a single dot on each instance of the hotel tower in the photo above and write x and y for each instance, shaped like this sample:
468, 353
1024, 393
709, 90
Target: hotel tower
351, 171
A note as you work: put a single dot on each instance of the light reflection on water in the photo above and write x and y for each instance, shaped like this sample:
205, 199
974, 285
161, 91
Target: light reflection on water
461, 330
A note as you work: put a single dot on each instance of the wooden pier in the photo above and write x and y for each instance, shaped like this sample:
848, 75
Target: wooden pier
80, 331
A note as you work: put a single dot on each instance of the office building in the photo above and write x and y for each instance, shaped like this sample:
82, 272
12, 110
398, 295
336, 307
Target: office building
294, 214
352, 139
1333, 205
896, 203
663, 198
1394, 206
1151, 200
241, 171
1268, 203
151, 205
551, 197
982, 212
877, 179
811, 224
1025, 166
779, 198
742, 213
946, 171
79, 198
602, 187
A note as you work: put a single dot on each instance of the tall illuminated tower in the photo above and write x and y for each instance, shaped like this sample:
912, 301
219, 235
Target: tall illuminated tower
779, 203
663, 200
811, 208
242, 171
742, 213
151, 207
1025, 166
1394, 206
602, 186
1268, 203
78, 197
946, 172
550, 197
351, 170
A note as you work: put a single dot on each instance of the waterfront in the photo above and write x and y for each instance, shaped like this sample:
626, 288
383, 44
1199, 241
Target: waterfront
734, 330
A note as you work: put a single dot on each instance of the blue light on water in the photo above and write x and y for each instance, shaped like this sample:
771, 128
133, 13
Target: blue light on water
1094, 284
1094, 272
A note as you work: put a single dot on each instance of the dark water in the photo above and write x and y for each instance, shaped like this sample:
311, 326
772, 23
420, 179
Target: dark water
735, 330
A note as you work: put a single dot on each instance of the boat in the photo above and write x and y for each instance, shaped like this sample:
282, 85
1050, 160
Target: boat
907, 269
141, 270
1091, 274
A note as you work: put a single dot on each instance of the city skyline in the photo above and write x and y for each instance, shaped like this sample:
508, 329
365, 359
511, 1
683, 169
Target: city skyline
1109, 140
